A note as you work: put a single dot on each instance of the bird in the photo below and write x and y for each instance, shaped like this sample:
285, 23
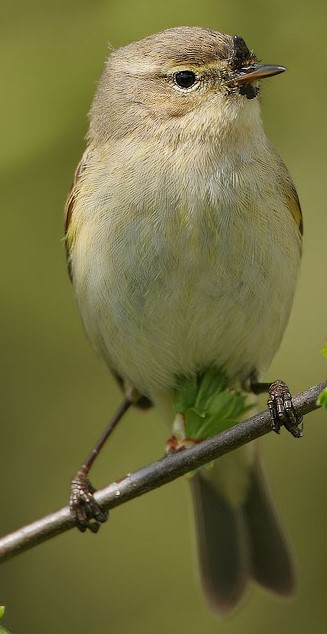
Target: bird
183, 232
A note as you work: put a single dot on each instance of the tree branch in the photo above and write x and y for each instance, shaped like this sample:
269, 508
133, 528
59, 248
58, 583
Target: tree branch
155, 475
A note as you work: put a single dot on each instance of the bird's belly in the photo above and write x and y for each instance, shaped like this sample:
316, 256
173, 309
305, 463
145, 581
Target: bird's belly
176, 298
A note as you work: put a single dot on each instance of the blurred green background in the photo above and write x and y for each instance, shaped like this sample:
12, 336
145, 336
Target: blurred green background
137, 575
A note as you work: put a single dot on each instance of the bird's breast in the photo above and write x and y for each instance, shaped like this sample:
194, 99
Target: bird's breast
175, 286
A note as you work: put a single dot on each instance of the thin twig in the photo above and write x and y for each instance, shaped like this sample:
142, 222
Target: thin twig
155, 475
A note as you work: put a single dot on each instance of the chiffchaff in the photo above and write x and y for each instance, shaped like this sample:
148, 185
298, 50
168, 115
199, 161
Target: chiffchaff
183, 233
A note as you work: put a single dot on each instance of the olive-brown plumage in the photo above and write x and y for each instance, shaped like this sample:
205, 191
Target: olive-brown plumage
183, 234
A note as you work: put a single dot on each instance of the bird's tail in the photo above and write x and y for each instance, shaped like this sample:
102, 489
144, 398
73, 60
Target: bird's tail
239, 536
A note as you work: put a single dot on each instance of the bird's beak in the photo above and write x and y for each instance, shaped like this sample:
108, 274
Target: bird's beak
254, 72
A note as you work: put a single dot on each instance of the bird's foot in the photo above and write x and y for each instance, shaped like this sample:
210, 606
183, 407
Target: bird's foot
282, 411
84, 508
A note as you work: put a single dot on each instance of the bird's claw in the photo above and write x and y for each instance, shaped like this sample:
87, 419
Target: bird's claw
83, 507
282, 411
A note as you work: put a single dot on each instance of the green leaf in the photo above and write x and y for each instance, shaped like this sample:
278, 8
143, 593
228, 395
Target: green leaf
212, 381
185, 393
193, 423
2, 629
207, 406
322, 399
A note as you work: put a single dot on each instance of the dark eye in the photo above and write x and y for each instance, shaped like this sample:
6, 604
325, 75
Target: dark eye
185, 78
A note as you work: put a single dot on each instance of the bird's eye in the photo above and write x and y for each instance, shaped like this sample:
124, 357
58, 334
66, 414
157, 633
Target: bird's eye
185, 78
